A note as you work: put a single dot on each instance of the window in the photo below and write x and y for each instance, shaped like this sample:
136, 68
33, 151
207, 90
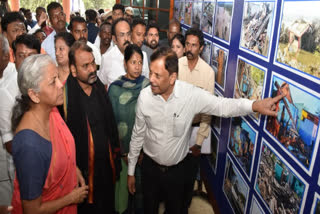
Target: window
158, 10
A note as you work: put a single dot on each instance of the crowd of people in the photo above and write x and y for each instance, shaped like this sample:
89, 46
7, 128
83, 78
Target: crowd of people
96, 114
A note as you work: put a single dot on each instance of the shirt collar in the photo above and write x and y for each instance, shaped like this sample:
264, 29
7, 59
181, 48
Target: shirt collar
185, 63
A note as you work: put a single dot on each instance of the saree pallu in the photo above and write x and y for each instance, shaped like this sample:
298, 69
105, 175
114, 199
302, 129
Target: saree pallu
62, 176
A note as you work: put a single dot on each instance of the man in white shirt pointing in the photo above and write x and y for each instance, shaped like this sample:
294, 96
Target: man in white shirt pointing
165, 111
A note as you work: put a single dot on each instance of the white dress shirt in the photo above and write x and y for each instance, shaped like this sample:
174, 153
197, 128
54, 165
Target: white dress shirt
163, 128
48, 45
8, 91
98, 40
112, 66
96, 53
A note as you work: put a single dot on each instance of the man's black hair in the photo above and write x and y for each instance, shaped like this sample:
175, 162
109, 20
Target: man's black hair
39, 30
170, 59
152, 25
91, 14
115, 24
77, 45
78, 19
138, 21
105, 23
100, 11
9, 18
118, 7
28, 40
53, 5
195, 32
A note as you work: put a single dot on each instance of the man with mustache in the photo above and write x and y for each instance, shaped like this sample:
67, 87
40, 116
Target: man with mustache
196, 71
105, 35
79, 30
88, 114
164, 115
12, 24
112, 62
58, 22
137, 37
151, 40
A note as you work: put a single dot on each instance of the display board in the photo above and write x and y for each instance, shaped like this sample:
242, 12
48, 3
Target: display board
261, 49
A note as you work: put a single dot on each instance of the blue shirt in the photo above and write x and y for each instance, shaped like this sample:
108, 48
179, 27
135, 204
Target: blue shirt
93, 31
32, 156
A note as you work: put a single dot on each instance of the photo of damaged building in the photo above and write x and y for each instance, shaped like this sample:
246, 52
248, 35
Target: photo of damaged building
278, 186
256, 26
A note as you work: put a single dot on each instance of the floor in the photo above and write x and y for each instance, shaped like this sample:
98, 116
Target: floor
199, 205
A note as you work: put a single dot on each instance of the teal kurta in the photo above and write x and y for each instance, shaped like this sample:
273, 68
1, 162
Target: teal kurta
124, 94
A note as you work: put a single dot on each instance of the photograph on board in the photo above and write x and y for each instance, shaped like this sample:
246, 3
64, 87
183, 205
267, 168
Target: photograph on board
187, 13
196, 13
242, 143
278, 186
206, 52
257, 25
219, 58
299, 37
249, 81
207, 16
223, 19
255, 207
176, 10
181, 11
235, 188
316, 204
213, 157
296, 125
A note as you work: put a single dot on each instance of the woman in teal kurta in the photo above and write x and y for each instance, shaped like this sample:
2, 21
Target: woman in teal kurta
124, 93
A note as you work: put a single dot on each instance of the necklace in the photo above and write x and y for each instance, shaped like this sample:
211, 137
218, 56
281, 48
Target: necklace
42, 127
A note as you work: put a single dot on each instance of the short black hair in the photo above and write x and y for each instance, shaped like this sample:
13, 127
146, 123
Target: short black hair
105, 23
91, 14
130, 50
28, 40
38, 31
78, 19
9, 18
195, 32
152, 25
78, 45
67, 37
118, 7
100, 11
179, 37
138, 21
53, 5
115, 24
26, 11
170, 58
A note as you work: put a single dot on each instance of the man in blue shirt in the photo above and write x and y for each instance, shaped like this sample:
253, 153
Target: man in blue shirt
93, 30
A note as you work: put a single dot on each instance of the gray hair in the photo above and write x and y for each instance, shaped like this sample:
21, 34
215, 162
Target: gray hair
30, 75
31, 72
4, 44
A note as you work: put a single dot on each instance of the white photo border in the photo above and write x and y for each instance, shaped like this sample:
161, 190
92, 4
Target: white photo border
316, 145
306, 189
265, 58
